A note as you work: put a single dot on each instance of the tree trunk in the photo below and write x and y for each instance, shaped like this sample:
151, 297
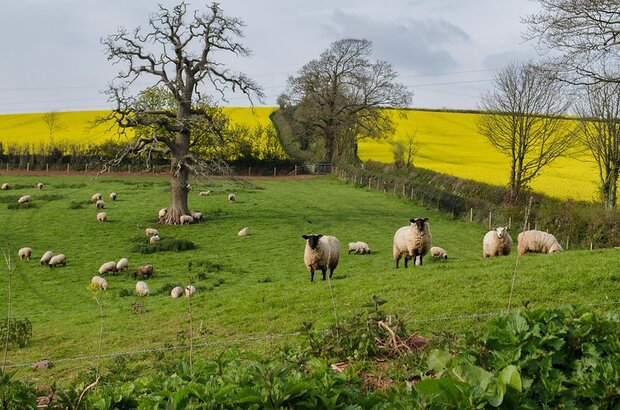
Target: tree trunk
180, 172
609, 190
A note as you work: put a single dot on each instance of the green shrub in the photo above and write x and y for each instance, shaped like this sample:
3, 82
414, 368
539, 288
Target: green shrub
26, 205
18, 331
165, 245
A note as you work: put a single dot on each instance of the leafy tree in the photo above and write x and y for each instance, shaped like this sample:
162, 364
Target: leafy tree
340, 98
52, 122
180, 52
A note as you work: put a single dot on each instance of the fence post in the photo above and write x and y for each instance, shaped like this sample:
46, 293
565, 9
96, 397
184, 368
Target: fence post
249, 171
295, 169
509, 222
86, 167
274, 171
129, 168
7, 166
471, 214
490, 216
67, 168
47, 167
27, 166
567, 242
591, 245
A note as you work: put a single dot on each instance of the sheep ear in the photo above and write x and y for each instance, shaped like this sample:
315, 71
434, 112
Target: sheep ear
506, 228
304, 236
425, 219
319, 236
412, 220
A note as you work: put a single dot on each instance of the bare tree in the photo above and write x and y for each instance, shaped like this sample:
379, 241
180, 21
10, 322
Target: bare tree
599, 131
52, 122
339, 97
179, 51
581, 37
405, 151
523, 120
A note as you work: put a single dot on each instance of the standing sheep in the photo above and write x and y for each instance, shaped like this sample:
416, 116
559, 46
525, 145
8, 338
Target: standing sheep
497, 242
113, 196
56, 260
99, 282
107, 267
100, 204
154, 239
186, 219
437, 252
25, 253
40, 186
145, 271
176, 292
321, 252
45, 259
196, 216
151, 232
102, 216
142, 289
232, 198
96, 197
204, 193
122, 264
5, 186
162, 213
190, 290
359, 247
24, 199
414, 241
537, 242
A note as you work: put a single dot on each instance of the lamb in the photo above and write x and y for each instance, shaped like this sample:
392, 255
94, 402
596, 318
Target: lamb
244, 232
186, 219
321, 252
5, 186
151, 232
232, 198
24, 199
176, 292
99, 282
145, 271
25, 253
162, 213
438, 252
96, 197
190, 290
142, 289
359, 247
56, 260
196, 216
100, 204
122, 264
204, 193
102, 216
154, 239
40, 186
414, 241
113, 196
497, 242
107, 267
45, 259
537, 242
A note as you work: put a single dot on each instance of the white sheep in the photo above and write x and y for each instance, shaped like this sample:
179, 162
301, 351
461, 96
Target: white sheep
142, 289
24, 199
102, 216
122, 264
113, 196
196, 216
96, 197
45, 259
100, 204
497, 242
56, 260
99, 282
25, 253
176, 292
190, 290
359, 247
5, 186
40, 186
537, 242
162, 213
204, 193
154, 239
414, 241
321, 252
438, 252
151, 232
232, 198
244, 232
186, 219
107, 267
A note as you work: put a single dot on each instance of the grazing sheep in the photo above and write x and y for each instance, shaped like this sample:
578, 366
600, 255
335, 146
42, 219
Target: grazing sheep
151, 232
142, 289
145, 271
107, 267
100, 204
99, 282
42, 365
176, 292
24, 199
40, 186
497, 242
244, 232
204, 193
5, 186
56, 260
154, 239
537, 242
359, 247
102, 216
437, 252
414, 241
232, 198
96, 197
45, 259
321, 252
190, 290
122, 264
162, 213
196, 216
25, 253
186, 219
113, 196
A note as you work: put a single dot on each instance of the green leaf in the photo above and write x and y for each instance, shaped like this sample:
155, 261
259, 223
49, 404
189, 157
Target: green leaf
510, 376
438, 360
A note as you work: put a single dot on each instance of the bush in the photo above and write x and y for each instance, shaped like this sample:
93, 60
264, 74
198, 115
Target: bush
165, 245
19, 331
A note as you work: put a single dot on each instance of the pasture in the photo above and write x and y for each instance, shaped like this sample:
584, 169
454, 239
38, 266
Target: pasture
254, 291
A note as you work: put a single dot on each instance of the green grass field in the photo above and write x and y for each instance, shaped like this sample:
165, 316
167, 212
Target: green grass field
257, 286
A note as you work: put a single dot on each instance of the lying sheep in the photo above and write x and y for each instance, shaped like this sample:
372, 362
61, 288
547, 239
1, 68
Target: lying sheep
40, 186
190, 290
162, 213
537, 242
5, 186
414, 241
497, 242
122, 264
56, 260
113, 196
102, 216
145, 271
45, 259
186, 219
321, 252
196, 216
96, 197
154, 239
244, 232
232, 198
176, 292
25, 253
204, 193
142, 289
24, 199
437, 252
100, 204
107, 267
359, 247
151, 232
99, 282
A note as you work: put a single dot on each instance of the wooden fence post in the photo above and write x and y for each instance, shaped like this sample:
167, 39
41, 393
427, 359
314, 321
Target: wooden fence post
471, 214
490, 217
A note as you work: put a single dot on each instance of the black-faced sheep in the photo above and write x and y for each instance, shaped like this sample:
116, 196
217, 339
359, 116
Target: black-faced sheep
24, 199
186, 219
99, 283
56, 260
113, 196
190, 290
497, 243
96, 197
102, 216
151, 232
40, 185
321, 252
232, 198
5, 186
244, 232
437, 252
25, 253
142, 289
414, 241
537, 242
359, 247
107, 267
122, 264
45, 259
176, 292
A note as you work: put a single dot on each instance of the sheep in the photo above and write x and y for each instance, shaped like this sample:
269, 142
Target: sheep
100, 204
497, 242
102, 216
204, 193
244, 232
151, 232
414, 241
113, 196
99, 282
142, 289
537, 242
107, 267
186, 219
176, 292
5, 186
154, 239
24, 199
232, 198
359, 247
190, 290
196, 216
59, 259
40, 186
321, 252
438, 252
25, 253
145, 271
45, 259
162, 213
122, 264
96, 197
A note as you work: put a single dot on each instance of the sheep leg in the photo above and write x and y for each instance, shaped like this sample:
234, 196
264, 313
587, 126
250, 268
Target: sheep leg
397, 259
311, 274
406, 261
324, 272
331, 272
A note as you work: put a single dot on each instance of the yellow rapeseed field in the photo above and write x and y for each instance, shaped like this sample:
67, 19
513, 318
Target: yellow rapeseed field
449, 143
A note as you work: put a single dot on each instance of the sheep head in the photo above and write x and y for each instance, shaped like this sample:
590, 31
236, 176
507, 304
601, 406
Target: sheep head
419, 222
313, 240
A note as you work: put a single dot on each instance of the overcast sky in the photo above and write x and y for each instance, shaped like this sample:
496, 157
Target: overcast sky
446, 51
